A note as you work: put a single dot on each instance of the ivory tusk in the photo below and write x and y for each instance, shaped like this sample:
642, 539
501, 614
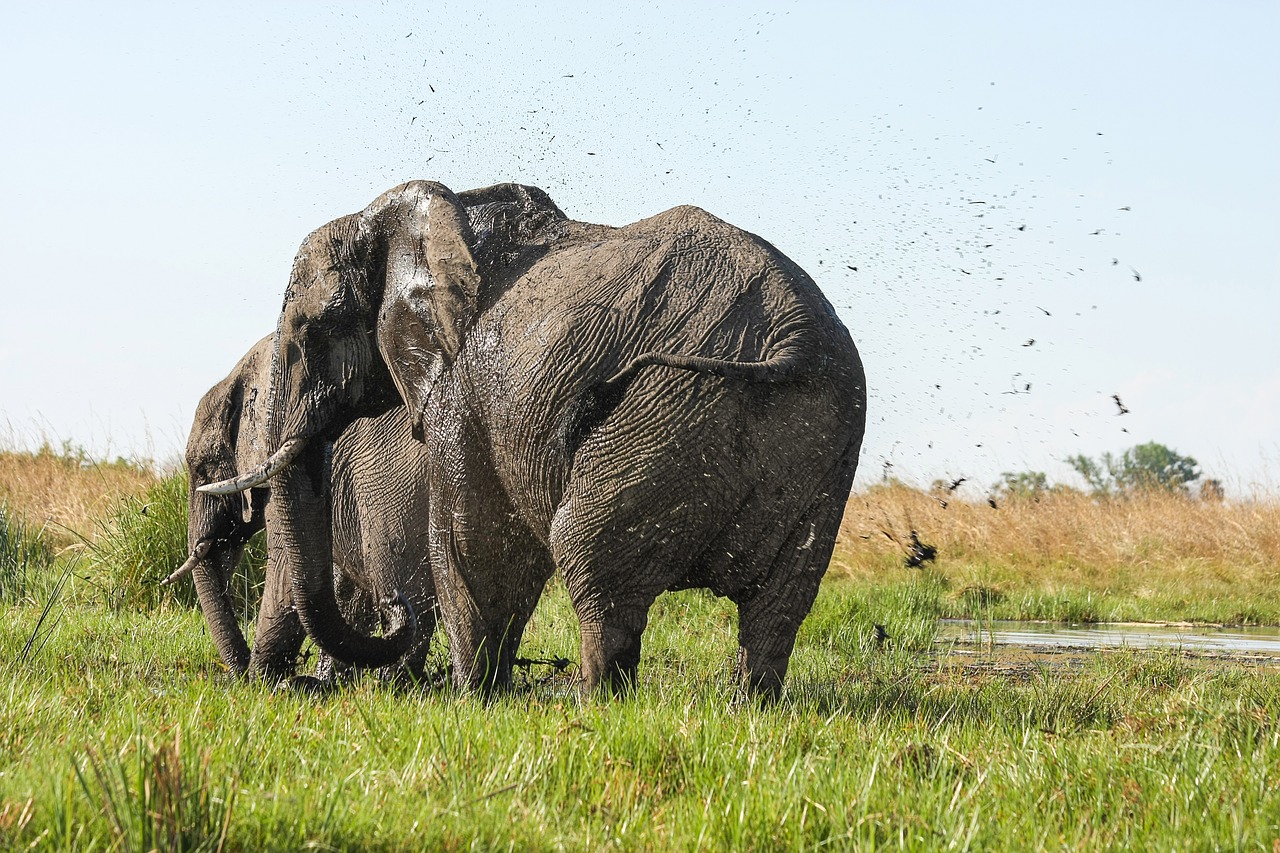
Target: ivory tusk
280, 459
184, 569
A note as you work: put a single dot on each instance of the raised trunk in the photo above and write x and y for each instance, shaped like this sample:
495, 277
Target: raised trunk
300, 521
212, 576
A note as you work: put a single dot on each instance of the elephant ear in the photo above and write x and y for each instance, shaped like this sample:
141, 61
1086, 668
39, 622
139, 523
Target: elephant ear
430, 301
246, 417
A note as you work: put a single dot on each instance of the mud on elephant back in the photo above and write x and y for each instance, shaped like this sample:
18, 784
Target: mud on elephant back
664, 405
380, 505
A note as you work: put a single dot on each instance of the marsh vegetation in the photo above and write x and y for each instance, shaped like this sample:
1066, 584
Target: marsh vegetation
119, 730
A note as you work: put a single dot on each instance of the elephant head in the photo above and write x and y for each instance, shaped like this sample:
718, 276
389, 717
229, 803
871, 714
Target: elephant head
226, 437
376, 308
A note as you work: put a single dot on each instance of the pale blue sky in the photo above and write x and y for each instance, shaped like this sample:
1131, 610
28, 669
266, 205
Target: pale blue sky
164, 161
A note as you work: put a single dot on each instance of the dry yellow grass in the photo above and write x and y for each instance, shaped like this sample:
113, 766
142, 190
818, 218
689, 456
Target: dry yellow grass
1154, 545
65, 492
1160, 552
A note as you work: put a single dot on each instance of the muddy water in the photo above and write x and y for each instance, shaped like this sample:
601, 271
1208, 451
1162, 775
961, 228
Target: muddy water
1226, 642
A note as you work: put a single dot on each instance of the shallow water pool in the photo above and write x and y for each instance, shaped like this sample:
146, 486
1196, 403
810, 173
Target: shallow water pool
1197, 638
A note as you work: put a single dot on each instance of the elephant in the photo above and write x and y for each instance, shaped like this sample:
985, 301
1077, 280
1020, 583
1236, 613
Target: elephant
379, 482
665, 405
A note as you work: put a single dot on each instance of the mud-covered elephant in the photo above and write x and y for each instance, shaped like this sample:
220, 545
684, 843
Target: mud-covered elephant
380, 498
665, 405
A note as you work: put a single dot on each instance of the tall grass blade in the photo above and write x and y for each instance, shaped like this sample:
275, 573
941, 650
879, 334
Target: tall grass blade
155, 799
25, 556
51, 600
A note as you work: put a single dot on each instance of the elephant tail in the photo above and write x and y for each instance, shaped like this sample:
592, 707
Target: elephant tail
787, 364
790, 361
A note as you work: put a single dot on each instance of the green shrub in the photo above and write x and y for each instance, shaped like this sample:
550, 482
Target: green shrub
145, 538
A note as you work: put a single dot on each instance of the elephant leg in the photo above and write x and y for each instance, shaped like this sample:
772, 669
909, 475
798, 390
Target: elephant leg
326, 668
769, 618
413, 668
612, 611
276, 642
279, 634
611, 648
483, 647
615, 562
766, 637
487, 590
420, 589
358, 609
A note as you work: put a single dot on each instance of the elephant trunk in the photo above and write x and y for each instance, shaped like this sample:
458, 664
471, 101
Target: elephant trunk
212, 574
303, 542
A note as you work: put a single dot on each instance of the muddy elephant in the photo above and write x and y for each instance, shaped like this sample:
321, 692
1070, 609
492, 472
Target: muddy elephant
379, 492
664, 405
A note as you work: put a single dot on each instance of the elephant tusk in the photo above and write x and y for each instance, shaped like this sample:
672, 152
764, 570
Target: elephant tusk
276, 461
185, 569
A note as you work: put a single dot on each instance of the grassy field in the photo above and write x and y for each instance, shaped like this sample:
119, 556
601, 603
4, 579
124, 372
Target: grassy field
119, 731
1069, 557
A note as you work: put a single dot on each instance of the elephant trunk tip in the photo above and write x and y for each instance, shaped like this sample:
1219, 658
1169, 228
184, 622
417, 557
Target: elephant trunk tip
401, 621
180, 572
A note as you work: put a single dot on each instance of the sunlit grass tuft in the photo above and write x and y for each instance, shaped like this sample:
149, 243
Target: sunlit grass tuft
143, 539
155, 798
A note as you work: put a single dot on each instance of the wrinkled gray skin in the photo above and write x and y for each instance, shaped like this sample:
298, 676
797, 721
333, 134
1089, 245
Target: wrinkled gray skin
666, 405
379, 483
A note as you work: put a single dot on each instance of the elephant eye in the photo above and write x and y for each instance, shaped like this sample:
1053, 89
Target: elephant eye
336, 310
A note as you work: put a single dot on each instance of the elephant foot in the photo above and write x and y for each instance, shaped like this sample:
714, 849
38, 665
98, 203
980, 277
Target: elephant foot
745, 696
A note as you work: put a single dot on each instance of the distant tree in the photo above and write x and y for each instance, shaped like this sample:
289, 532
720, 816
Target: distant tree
1145, 466
1096, 473
1022, 485
1153, 465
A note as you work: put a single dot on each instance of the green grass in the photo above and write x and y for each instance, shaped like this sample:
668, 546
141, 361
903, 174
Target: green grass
26, 559
957, 590
143, 538
119, 730
121, 733
1077, 604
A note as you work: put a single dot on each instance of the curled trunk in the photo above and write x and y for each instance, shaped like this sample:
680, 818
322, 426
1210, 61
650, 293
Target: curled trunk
300, 518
